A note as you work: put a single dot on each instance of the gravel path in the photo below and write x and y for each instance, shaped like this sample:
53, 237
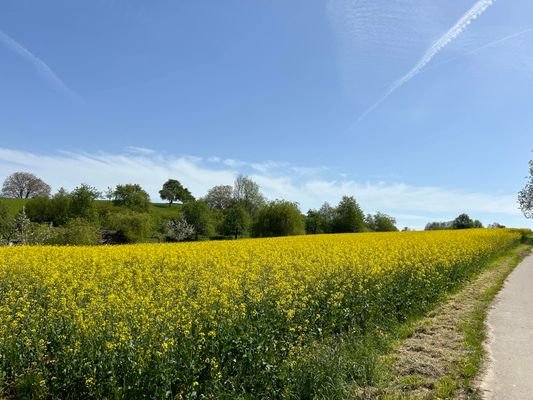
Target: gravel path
510, 322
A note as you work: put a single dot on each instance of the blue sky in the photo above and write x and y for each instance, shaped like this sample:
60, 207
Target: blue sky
419, 109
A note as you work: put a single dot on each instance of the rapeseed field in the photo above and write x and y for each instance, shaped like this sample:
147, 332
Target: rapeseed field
226, 319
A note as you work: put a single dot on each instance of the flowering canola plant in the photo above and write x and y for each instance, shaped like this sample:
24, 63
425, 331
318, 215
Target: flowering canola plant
197, 320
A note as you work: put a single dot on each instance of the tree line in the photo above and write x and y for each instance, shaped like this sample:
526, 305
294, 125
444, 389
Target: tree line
125, 214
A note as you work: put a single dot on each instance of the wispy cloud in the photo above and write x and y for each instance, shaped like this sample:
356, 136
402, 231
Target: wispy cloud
394, 26
39, 64
412, 205
474, 12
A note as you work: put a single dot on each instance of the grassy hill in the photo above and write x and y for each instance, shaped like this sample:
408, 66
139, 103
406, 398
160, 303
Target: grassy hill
163, 210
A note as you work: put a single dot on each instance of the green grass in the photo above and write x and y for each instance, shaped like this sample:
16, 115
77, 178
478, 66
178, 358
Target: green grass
163, 210
14, 205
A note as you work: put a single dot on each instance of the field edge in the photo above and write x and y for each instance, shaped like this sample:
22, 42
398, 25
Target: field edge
443, 355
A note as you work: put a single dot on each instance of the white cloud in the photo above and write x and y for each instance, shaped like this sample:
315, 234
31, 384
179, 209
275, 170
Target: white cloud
411, 205
233, 163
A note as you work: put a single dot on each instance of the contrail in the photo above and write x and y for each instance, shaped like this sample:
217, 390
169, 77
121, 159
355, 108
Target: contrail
478, 49
41, 66
443, 41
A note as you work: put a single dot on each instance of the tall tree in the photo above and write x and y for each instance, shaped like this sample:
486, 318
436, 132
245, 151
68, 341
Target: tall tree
279, 218
83, 202
132, 196
197, 214
381, 223
236, 220
247, 193
463, 221
525, 196
327, 217
173, 191
23, 185
313, 222
220, 197
348, 216
58, 209
478, 224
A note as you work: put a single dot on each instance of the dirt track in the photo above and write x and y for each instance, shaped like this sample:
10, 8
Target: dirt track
510, 347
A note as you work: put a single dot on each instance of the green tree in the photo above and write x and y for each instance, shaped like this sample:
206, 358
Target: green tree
525, 196
6, 223
55, 210
173, 191
39, 209
59, 208
134, 226
327, 217
314, 222
381, 223
463, 221
348, 216
77, 231
197, 214
279, 218
83, 202
63, 206
236, 220
438, 226
132, 196
218, 217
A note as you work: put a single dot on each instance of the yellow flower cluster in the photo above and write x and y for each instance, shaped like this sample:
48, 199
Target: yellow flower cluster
184, 320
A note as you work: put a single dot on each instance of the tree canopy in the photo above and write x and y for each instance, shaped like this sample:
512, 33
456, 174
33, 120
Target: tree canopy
83, 202
196, 213
220, 197
525, 196
279, 218
246, 192
381, 222
236, 220
173, 191
24, 185
131, 196
348, 216
463, 221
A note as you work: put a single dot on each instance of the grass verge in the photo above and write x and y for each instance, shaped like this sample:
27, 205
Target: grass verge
442, 354
437, 356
